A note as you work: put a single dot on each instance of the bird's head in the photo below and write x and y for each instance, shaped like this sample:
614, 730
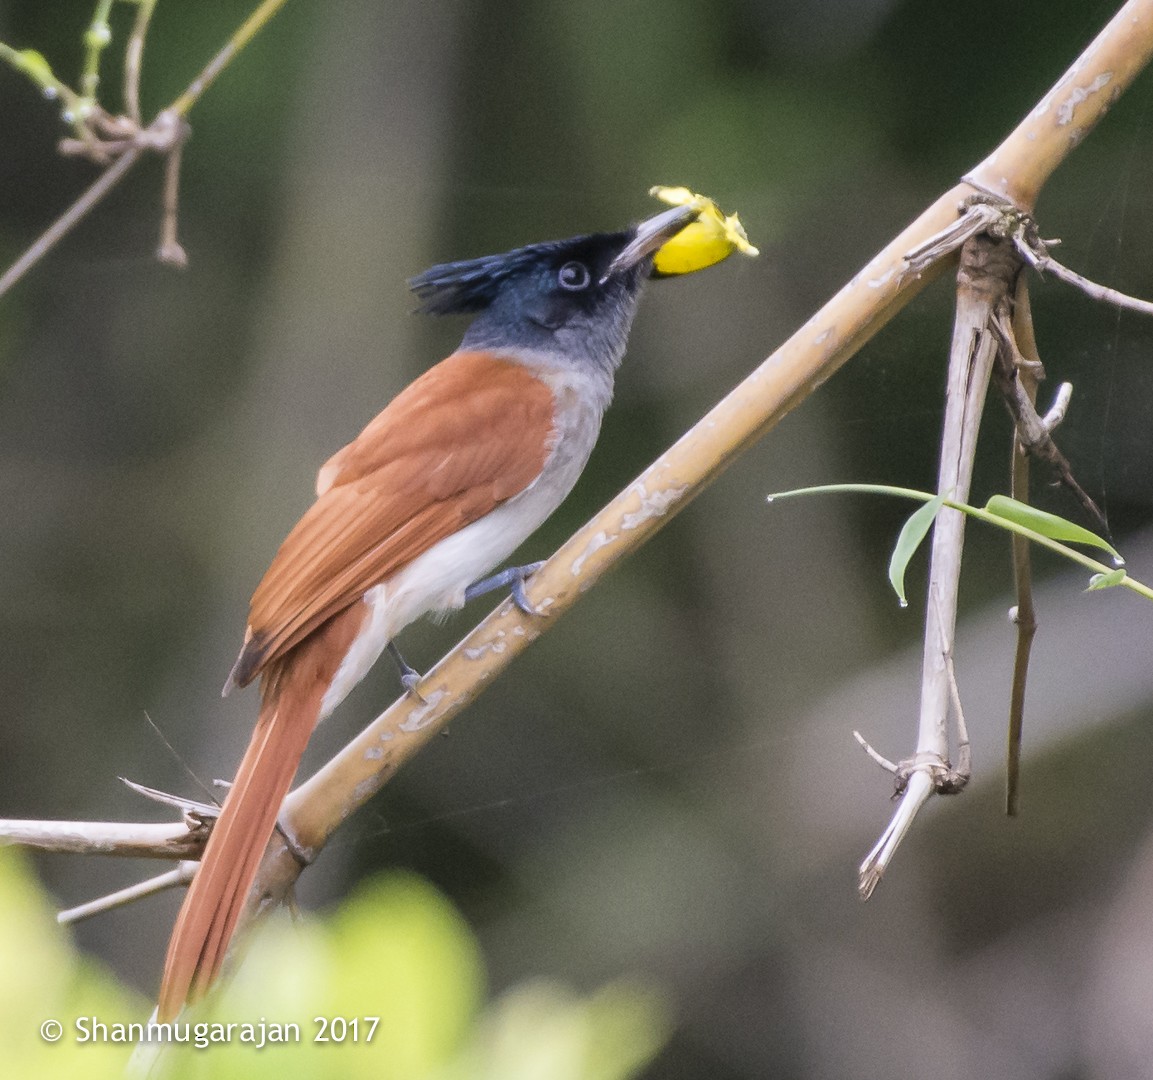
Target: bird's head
570, 298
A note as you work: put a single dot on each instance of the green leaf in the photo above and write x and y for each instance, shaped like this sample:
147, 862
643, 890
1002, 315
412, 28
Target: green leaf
1107, 581
43, 977
542, 1029
402, 948
1050, 525
912, 533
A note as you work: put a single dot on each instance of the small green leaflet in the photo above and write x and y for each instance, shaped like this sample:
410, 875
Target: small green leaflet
1050, 525
1106, 581
912, 533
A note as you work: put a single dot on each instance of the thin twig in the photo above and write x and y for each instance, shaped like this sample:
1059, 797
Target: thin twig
171, 251
1036, 252
1091, 288
963, 773
879, 758
133, 57
96, 40
190, 808
60, 228
171, 879
240, 38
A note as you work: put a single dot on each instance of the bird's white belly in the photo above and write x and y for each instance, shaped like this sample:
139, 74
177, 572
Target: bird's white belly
437, 579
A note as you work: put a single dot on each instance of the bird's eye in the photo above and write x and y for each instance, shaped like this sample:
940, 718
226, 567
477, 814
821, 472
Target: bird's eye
574, 276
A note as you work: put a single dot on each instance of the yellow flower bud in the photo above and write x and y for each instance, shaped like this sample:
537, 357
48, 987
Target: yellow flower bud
708, 240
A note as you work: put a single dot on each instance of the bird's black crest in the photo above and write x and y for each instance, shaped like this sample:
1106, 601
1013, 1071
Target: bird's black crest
460, 288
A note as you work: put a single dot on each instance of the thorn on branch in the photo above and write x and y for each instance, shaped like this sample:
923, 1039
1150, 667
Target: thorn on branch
880, 759
1059, 407
197, 815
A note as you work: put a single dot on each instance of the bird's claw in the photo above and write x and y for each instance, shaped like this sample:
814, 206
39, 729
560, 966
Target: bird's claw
410, 678
513, 579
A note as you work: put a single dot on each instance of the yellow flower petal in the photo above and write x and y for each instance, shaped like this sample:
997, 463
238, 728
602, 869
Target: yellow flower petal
708, 240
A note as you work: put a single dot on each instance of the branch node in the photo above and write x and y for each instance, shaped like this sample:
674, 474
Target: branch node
946, 779
981, 212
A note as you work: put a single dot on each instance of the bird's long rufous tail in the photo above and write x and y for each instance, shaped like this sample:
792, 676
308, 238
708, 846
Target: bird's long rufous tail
291, 694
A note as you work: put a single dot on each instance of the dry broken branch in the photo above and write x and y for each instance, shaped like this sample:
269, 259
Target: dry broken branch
1017, 379
986, 279
132, 840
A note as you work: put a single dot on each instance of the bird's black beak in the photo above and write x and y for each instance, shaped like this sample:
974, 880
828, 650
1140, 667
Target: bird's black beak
650, 235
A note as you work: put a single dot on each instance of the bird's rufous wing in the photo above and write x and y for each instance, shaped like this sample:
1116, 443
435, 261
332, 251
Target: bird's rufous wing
464, 437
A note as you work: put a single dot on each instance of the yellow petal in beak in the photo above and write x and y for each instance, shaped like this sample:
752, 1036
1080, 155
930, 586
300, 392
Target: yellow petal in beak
708, 240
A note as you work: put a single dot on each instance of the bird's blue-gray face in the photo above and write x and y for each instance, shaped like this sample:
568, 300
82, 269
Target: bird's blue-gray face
566, 303
574, 299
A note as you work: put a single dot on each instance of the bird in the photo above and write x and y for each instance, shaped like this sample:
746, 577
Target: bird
442, 486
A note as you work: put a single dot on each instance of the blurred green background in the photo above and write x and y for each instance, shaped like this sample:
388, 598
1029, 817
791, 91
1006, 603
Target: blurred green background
665, 787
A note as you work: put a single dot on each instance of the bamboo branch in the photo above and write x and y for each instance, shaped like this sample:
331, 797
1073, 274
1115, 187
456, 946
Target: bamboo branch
1029, 371
1024, 612
1019, 167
